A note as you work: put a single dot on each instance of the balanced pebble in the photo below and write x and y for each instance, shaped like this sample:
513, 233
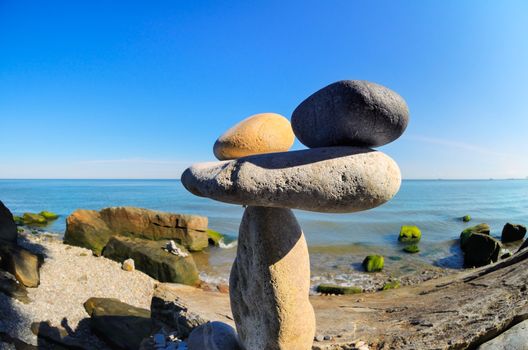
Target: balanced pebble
350, 113
260, 133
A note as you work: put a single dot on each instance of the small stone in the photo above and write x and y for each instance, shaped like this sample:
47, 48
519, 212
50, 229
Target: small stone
327, 337
466, 218
213, 335
363, 347
319, 338
512, 233
128, 265
350, 113
331, 180
359, 344
410, 234
223, 288
373, 263
260, 133
159, 340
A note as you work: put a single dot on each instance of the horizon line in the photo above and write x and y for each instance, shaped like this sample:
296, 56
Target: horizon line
179, 179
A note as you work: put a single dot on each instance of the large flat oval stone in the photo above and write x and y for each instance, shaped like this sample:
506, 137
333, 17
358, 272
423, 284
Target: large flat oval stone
350, 113
329, 179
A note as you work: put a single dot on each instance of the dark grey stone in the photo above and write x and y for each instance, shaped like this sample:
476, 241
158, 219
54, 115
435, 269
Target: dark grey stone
350, 113
213, 336
480, 250
512, 233
8, 228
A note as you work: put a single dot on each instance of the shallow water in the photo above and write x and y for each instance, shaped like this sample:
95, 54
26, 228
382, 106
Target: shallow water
337, 241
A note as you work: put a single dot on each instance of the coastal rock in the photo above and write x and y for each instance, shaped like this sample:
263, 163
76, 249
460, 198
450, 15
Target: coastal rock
373, 263
8, 229
128, 265
48, 215
512, 233
34, 219
121, 325
260, 133
10, 287
333, 179
350, 113
481, 249
466, 218
213, 336
215, 237
480, 228
270, 282
515, 338
85, 228
152, 259
183, 308
337, 290
523, 246
92, 229
21, 263
410, 234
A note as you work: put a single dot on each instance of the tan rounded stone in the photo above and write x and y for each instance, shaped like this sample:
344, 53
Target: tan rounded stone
260, 133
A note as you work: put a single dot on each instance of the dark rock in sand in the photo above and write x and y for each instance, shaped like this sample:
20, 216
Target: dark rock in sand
350, 113
92, 229
213, 336
8, 229
480, 228
152, 259
512, 233
21, 263
10, 287
121, 325
481, 249
338, 290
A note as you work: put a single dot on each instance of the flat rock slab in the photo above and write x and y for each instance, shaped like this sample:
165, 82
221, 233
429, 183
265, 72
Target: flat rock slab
515, 338
459, 311
331, 179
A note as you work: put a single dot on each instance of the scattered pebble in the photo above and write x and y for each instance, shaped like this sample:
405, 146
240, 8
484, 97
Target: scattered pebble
319, 338
172, 248
128, 265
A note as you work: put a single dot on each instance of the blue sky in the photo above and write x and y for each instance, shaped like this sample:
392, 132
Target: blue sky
142, 89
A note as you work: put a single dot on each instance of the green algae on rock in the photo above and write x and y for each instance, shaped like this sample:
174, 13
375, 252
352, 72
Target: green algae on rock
373, 263
466, 218
48, 215
338, 290
412, 249
480, 228
391, 285
214, 237
410, 234
34, 219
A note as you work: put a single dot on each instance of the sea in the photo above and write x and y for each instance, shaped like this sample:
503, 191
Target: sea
337, 242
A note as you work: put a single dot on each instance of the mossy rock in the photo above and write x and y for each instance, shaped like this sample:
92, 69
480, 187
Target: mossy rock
48, 215
335, 289
214, 237
373, 263
34, 219
410, 234
391, 285
466, 218
413, 249
18, 220
483, 229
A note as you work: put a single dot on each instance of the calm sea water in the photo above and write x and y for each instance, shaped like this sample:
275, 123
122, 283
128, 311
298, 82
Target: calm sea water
435, 206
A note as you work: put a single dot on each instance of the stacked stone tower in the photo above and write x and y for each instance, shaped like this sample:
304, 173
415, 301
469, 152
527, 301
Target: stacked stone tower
339, 173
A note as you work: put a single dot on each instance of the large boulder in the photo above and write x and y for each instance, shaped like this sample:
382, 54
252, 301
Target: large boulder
260, 133
480, 249
483, 229
332, 179
8, 228
350, 113
270, 282
21, 263
515, 338
150, 257
121, 325
512, 233
92, 229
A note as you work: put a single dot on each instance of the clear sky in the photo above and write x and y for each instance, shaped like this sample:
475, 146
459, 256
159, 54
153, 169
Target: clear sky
126, 89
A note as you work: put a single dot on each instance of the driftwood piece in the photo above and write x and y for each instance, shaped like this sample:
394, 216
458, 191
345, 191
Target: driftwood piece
459, 311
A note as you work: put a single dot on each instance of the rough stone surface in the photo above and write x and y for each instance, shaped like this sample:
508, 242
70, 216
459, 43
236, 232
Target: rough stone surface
350, 113
515, 338
512, 233
21, 263
8, 229
92, 229
213, 336
480, 228
270, 281
332, 179
260, 133
481, 249
123, 326
152, 259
